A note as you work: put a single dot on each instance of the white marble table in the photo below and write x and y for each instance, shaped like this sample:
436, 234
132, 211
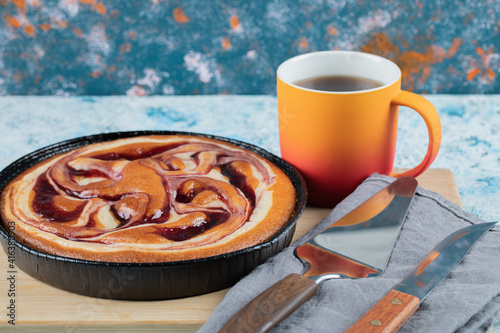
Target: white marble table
470, 145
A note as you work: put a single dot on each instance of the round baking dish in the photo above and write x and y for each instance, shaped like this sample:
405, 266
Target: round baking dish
146, 281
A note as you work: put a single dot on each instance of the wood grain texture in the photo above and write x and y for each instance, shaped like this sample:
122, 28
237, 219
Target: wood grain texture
273, 305
42, 308
388, 315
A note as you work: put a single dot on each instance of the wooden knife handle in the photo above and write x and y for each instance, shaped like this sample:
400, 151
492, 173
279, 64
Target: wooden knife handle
388, 315
273, 305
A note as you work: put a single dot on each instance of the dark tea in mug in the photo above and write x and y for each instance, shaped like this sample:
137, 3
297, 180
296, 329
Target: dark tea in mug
338, 83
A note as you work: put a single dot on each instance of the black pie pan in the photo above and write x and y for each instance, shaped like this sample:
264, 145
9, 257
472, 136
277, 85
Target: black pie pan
145, 281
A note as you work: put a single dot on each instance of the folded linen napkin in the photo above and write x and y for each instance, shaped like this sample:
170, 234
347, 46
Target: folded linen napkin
468, 300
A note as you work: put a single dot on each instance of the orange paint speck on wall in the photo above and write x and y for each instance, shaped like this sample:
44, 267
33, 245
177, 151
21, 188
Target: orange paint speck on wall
226, 43
96, 74
481, 68
455, 45
332, 30
235, 22
21, 4
179, 15
125, 48
100, 8
490, 73
480, 51
30, 30
471, 74
13, 22
303, 43
45, 26
78, 32
61, 23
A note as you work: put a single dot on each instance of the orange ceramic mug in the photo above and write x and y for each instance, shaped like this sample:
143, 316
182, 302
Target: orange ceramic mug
337, 139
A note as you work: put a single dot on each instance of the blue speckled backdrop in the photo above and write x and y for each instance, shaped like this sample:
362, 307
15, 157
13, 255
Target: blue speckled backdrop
150, 47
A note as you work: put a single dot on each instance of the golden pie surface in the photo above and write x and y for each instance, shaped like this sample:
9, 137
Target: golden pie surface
151, 198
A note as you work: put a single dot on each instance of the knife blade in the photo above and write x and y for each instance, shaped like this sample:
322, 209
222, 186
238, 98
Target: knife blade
399, 304
356, 246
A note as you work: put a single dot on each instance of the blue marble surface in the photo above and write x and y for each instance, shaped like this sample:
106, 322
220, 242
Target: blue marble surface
470, 145
157, 47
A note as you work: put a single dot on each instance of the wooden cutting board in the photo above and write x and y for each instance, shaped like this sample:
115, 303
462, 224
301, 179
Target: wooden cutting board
42, 308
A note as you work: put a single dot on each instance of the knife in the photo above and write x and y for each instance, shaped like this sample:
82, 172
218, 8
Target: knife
356, 246
399, 304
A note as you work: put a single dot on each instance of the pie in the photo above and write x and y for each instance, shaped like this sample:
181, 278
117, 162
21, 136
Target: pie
155, 198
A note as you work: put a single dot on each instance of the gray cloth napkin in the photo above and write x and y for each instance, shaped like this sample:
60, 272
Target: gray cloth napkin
468, 300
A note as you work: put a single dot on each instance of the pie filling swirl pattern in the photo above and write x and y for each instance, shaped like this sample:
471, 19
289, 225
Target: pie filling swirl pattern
169, 194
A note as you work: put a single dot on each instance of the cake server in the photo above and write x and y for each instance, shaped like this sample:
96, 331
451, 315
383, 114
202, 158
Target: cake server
356, 246
399, 304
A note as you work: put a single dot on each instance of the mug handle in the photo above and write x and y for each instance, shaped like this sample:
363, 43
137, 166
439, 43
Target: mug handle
431, 118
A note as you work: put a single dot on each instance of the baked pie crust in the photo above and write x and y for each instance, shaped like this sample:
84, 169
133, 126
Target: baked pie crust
154, 198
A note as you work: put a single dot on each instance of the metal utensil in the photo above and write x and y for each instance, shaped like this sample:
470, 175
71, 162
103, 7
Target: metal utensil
399, 304
356, 246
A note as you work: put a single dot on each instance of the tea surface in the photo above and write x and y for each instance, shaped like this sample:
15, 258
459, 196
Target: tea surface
338, 83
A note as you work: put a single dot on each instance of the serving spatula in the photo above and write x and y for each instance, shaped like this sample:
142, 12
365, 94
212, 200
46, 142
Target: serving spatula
356, 246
